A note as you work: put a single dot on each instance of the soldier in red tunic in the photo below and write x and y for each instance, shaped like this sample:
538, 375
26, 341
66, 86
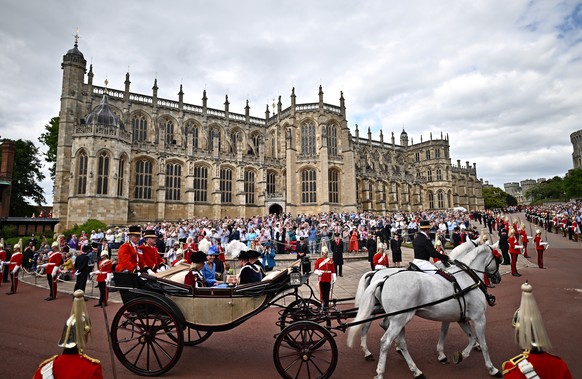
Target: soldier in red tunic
72, 363
540, 247
531, 336
14, 267
2, 261
104, 276
127, 255
52, 268
325, 269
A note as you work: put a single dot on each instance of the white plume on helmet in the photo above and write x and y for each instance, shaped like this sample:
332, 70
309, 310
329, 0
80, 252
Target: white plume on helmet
234, 247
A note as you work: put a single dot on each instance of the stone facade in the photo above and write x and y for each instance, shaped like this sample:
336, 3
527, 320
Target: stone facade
128, 158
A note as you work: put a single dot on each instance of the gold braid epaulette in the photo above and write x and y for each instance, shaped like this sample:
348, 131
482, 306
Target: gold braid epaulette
92, 360
514, 361
47, 361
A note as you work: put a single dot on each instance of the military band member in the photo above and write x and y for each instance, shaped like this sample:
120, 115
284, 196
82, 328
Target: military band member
380, 259
52, 268
72, 363
540, 247
14, 267
531, 336
103, 278
324, 268
127, 255
573, 230
524, 239
514, 251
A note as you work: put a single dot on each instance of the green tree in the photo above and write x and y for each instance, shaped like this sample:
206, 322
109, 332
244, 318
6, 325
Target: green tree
573, 184
495, 197
26, 179
50, 139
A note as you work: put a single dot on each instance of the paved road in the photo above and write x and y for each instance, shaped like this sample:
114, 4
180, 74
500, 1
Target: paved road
31, 327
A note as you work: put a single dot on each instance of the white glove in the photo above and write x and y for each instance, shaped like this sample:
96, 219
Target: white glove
16, 269
162, 268
317, 272
333, 277
77, 273
518, 247
150, 272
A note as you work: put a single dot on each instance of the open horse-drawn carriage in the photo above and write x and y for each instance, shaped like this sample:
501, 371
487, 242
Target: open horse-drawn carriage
160, 315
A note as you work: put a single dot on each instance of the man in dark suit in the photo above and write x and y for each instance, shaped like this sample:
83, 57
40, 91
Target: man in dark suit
423, 247
337, 249
82, 268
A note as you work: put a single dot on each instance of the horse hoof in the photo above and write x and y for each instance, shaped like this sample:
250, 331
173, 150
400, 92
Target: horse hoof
369, 357
444, 360
457, 357
421, 376
400, 352
498, 375
477, 348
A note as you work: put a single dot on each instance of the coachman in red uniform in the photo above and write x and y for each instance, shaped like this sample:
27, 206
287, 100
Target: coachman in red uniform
72, 363
531, 336
325, 269
14, 267
52, 268
153, 262
127, 255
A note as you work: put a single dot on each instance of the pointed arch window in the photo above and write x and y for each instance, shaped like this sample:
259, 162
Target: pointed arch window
437, 153
102, 174
271, 178
429, 175
200, 184
232, 149
120, 176
173, 181
82, 163
439, 174
256, 140
332, 140
428, 154
308, 138
249, 187
139, 128
333, 186
168, 127
308, 186
213, 133
441, 200
430, 200
143, 180
225, 185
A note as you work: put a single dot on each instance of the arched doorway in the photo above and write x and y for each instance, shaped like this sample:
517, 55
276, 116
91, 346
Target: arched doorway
275, 208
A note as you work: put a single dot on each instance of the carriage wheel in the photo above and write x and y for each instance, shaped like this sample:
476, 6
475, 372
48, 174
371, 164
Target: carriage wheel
299, 310
194, 337
146, 337
305, 349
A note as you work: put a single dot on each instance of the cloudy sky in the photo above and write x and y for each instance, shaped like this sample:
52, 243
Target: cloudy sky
502, 78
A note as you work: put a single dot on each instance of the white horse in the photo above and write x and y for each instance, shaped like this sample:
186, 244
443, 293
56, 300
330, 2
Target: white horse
434, 298
371, 276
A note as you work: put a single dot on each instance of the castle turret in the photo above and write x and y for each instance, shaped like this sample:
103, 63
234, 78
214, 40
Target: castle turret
403, 138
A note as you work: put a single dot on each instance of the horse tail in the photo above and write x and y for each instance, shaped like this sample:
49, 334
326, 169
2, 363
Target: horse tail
362, 285
366, 307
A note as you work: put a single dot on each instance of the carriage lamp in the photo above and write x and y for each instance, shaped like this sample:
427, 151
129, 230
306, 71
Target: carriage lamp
295, 277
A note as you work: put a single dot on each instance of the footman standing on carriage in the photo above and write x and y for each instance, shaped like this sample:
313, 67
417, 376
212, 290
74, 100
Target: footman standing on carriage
531, 336
72, 363
424, 249
325, 269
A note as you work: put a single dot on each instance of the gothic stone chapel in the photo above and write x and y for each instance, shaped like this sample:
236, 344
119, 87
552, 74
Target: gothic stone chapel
129, 158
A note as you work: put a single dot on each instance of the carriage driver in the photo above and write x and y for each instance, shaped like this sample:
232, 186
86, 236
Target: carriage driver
127, 255
72, 363
531, 336
424, 249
